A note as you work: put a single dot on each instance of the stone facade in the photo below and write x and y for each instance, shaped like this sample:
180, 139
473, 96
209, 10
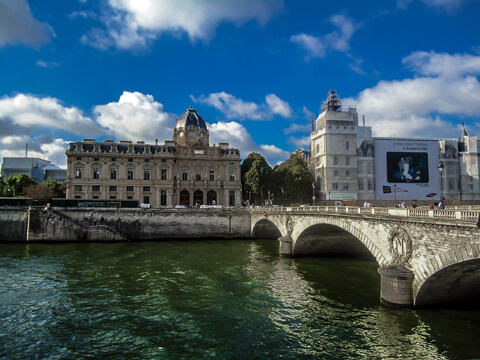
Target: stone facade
184, 171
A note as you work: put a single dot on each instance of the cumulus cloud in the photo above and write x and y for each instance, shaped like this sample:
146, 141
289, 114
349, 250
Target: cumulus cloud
444, 85
235, 108
29, 112
131, 23
295, 128
18, 26
300, 142
337, 40
137, 115
272, 151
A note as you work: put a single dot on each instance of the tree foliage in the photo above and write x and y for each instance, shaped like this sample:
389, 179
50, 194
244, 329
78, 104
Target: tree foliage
15, 185
293, 180
45, 192
257, 176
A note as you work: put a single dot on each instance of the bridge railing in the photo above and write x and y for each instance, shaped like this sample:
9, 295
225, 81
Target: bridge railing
453, 214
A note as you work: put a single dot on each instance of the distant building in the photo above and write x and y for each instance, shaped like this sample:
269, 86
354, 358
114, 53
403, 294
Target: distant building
38, 169
350, 164
184, 171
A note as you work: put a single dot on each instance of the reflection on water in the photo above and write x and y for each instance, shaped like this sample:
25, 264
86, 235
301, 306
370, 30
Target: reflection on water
209, 299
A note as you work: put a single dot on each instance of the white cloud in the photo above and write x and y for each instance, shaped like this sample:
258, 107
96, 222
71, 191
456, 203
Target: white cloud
445, 85
449, 5
273, 151
295, 128
133, 23
233, 133
28, 112
235, 108
337, 40
47, 65
302, 142
18, 26
137, 116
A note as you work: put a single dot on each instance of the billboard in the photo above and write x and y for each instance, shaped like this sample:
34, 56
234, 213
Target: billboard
406, 169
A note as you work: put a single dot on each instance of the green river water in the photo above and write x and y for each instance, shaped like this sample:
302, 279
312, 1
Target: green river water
210, 299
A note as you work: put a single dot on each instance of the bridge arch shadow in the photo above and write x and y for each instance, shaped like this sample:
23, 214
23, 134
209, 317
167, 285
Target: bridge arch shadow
265, 229
456, 284
327, 240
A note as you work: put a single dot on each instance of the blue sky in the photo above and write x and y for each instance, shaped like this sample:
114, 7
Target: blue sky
256, 71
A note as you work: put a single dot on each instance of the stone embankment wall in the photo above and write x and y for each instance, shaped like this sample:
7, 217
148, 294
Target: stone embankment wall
36, 224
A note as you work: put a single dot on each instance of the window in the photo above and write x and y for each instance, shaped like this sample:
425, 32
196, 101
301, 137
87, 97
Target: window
212, 175
129, 197
345, 187
334, 186
129, 174
335, 173
232, 198
114, 149
113, 188
370, 185
163, 197
164, 160
95, 188
147, 160
113, 173
347, 173
146, 199
146, 174
96, 173
97, 148
360, 169
96, 159
112, 197
232, 175
129, 188
360, 185
78, 187
369, 168
130, 159
347, 145
130, 150
451, 184
79, 158
347, 160
114, 159
78, 173
95, 197
164, 174
146, 188
335, 160
198, 175
318, 148
147, 150
184, 175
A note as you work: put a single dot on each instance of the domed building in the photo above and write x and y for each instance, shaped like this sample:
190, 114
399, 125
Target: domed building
184, 171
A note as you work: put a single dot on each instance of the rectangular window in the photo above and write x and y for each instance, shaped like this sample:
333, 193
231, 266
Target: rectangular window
112, 197
79, 158
114, 149
164, 160
129, 174
95, 197
212, 175
113, 188
146, 199
347, 145
146, 188
370, 185
95, 188
360, 185
347, 173
335, 160
198, 175
114, 159
78, 187
347, 160
96, 159
232, 175
184, 175
334, 186
163, 198
130, 159
129, 197
97, 148
129, 188
113, 173
147, 150
164, 174
96, 173
146, 174
130, 150
147, 160
232, 198
345, 187
369, 168
78, 173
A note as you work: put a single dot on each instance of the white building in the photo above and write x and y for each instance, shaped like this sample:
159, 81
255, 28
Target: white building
350, 164
38, 169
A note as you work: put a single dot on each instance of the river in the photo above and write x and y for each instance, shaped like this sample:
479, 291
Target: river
210, 299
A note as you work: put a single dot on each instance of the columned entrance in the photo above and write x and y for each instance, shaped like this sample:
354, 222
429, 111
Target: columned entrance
198, 197
212, 198
184, 197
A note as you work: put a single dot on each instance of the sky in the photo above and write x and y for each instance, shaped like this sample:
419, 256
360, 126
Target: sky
257, 71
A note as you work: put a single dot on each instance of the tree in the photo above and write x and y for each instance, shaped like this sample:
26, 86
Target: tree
293, 180
58, 188
15, 185
45, 192
257, 175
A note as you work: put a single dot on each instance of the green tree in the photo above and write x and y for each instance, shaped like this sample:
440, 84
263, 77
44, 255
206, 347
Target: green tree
15, 185
57, 188
293, 180
259, 178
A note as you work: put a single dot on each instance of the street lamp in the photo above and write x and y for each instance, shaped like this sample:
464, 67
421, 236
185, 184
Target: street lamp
441, 167
395, 193
313, 197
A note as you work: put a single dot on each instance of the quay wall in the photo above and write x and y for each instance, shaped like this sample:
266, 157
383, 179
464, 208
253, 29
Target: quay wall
55, 224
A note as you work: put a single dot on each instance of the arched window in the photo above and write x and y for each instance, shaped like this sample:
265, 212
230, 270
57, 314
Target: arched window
212, 198
198, 197
184, 197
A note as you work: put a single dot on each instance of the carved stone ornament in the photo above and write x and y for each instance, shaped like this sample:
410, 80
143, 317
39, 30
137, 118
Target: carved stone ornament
289, 225
400, 246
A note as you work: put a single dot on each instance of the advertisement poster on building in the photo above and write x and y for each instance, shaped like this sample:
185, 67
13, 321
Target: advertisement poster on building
406, 169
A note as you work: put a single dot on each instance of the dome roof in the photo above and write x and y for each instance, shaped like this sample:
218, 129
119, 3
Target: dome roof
191, 118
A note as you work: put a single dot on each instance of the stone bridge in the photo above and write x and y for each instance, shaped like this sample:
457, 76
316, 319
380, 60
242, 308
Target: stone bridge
425, 257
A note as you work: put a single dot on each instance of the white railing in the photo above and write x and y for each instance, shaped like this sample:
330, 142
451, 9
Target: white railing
466, 214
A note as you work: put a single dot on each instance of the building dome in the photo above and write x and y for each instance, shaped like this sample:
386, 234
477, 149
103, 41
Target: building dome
190, 118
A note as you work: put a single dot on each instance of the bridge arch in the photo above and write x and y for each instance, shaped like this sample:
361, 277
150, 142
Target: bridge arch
266, 229
449, 277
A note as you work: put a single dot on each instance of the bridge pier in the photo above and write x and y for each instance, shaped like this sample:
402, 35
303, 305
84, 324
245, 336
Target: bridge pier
286, 245
396, 285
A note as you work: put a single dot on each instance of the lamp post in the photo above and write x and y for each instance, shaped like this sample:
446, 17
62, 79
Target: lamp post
441, 167
313, 197
395, 193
